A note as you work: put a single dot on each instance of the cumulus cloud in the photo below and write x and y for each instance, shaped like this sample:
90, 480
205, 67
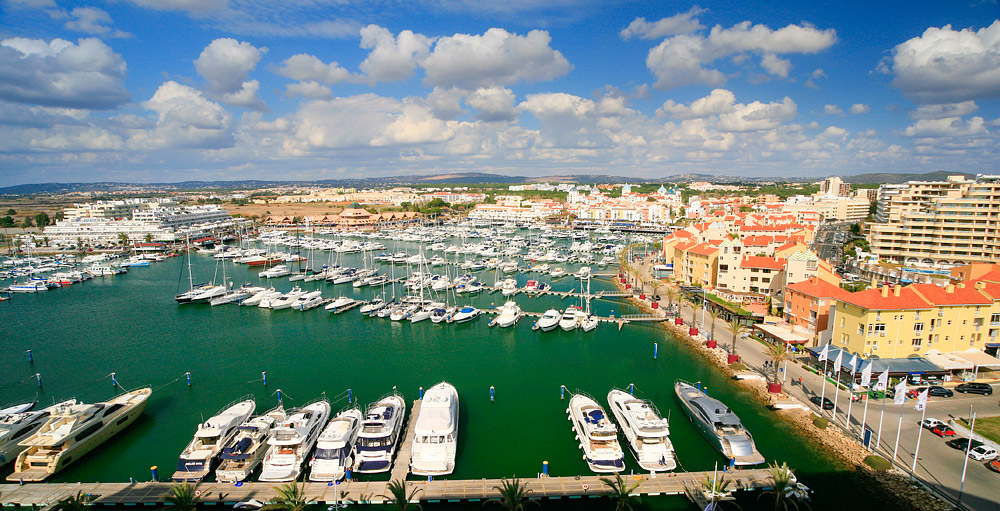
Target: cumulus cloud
497, 57
87, 75
758, 116
683, 59
681, 23
493, 104
817, 74
946, 66
185, 119
946, 127
304, 67
308, 89
945, 110
446, 103
92, 20
392, 58
832, 110
719, 101
197, 7
860, 108
226, 64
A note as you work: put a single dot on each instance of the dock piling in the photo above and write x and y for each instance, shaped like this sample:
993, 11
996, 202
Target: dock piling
656, 348
545, 468
38, 378
30, 360
492, 392
421, 392
631, 389
188, 375
155, 475
114, 381
562, 392
348, 396
263, 376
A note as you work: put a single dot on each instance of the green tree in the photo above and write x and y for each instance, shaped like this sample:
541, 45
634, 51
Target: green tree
76, 502
718, 491
182, 497
782, 486
621, 493
11, 212
513, 495
42, 219
123, 239
6, 221
779, 353
291, 497
855, 228
736, 329
27, 222
715, 313
60, 215
399, 497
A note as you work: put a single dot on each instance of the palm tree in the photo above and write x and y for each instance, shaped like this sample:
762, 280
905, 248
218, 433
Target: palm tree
291, 497
718, 491
672, 295
182, 497
513, 495
715, 314
76, 502
399, 497
621, 492
782, 482
779, 353
736, 329
123, 239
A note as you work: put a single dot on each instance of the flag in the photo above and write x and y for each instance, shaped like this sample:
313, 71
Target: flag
922, 400
866, 375
825, 353
883, 380
854, 365
836, 363
900, 393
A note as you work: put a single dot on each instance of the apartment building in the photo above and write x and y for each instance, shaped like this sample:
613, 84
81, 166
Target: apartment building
694, 263
159, 224
807, 305
945, 223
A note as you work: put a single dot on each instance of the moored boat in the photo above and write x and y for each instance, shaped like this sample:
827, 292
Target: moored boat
436, 432
292, 440
379, 435
718, 424
247, 448
198, 458
647, 432
598, 436
335, 446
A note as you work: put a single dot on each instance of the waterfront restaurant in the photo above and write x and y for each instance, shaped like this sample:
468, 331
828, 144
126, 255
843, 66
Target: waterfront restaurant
917, 370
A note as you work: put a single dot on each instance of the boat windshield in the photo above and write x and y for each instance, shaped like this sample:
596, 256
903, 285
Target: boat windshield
330, 454
382, 441
651, 440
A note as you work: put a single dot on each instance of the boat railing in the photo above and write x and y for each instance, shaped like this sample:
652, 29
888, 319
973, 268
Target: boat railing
248, 397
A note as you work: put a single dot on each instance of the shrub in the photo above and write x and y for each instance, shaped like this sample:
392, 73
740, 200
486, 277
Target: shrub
878, 463
820, 422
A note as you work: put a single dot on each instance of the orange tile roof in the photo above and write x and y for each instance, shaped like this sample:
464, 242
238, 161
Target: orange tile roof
991, 289
773, 263
818, 288
938, 295
704, 249
872, 299
990, 276
757, 241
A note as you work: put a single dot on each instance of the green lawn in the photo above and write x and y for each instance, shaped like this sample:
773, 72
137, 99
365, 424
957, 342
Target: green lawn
989, 427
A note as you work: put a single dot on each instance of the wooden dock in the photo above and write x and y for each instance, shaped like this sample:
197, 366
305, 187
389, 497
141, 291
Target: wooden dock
402, 466
374, 492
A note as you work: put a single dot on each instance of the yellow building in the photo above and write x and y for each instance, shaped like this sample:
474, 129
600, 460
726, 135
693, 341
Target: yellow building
899, 321
694, 263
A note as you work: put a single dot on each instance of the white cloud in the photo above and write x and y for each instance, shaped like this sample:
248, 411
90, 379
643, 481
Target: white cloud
493, 104
682, 59
860, 108
304, 67
392, 58
832, 110
681, 23
226, 64
88, 74
414, 125
945, 110
719, 101
185, 119
946, 66
446, 103
92, 20
817, 74
32, 4
947, 127
197, 7
308, 89
557, 104
758, 116
497, 57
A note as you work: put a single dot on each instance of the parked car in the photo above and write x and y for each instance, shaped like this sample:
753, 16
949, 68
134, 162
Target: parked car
827, 404
931, 423
983, 453
994, 465
975, 388
935, 391
943, 430
962, 443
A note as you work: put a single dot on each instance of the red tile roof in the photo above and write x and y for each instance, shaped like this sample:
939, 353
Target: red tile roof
704, 249
990, 276
773, 263
938, 295
757, 241
818, 288
872, 299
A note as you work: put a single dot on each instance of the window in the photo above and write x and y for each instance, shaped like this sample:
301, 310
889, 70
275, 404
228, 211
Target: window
861, 328
917, 341
878, 316
918, 328
880, 329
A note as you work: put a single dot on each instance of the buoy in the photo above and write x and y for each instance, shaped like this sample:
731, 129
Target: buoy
114, 382
421, 392
492, 392
38, 377
348, 396
188, 374
562, 392
263, 376
153, 470
656, 348
30, 361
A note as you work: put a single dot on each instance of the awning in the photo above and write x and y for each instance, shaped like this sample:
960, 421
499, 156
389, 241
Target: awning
948, 361
782, 333
978, 358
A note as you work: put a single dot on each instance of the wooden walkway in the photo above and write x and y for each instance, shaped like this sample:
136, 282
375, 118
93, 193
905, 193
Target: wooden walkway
402, 466
373, 492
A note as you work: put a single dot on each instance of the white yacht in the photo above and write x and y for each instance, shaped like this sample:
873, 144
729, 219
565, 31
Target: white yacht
509, 314
597, 434
557, 272
589, 322
436, 432
339, 304
208, 293
73, 431
259, 296
647, 432
28, 287
379, 435
571, 318
335, 445
247, 448
285, 301
509, 287
17, 423
467, 313
198, 457
275, 272
583, 273
549, 320
292, 441
308, 301
373, 306
718, 424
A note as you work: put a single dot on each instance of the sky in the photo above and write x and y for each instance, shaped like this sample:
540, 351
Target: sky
175, 90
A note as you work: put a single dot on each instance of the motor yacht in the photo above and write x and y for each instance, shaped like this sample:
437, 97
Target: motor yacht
583, 273
198, 458
589, 322
557, 272
440, 314
509, 314
247, 448
73, 431
403, 311
28, 287
285, 301
292, 441
18, 422
647, 432
373, 306
436, 432
335, 446
598, 436
718, 424
571, 318
424, 312
260, 296
549, 320
277, 271
466, 313
340, 304
308, 301
379, 435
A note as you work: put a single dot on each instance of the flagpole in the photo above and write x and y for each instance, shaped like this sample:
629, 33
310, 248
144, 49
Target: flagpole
920, 433
864, 416
885, 388
850, 401
898, 429
968, 447
822, 394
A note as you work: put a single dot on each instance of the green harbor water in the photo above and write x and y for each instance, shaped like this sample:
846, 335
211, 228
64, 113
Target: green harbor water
131, 325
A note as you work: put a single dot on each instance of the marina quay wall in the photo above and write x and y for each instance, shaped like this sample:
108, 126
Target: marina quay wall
375, 492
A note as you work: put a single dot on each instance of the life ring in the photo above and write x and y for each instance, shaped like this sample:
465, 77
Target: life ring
586, 486
197, 493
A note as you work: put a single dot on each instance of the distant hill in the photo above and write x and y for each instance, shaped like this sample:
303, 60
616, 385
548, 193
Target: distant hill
892, 179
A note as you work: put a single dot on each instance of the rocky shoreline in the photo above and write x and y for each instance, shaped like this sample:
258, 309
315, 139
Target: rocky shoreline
897, 487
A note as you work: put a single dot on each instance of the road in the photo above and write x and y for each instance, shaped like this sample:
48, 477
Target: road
938, 465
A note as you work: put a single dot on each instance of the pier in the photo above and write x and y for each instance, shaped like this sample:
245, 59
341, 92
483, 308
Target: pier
374, 492
402, 466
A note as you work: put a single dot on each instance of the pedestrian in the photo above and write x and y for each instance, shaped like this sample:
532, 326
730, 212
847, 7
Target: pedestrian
800, 381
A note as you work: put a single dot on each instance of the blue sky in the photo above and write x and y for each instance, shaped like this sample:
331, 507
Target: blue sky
172, 90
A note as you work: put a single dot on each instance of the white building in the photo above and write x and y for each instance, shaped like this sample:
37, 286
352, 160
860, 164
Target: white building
159, 224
